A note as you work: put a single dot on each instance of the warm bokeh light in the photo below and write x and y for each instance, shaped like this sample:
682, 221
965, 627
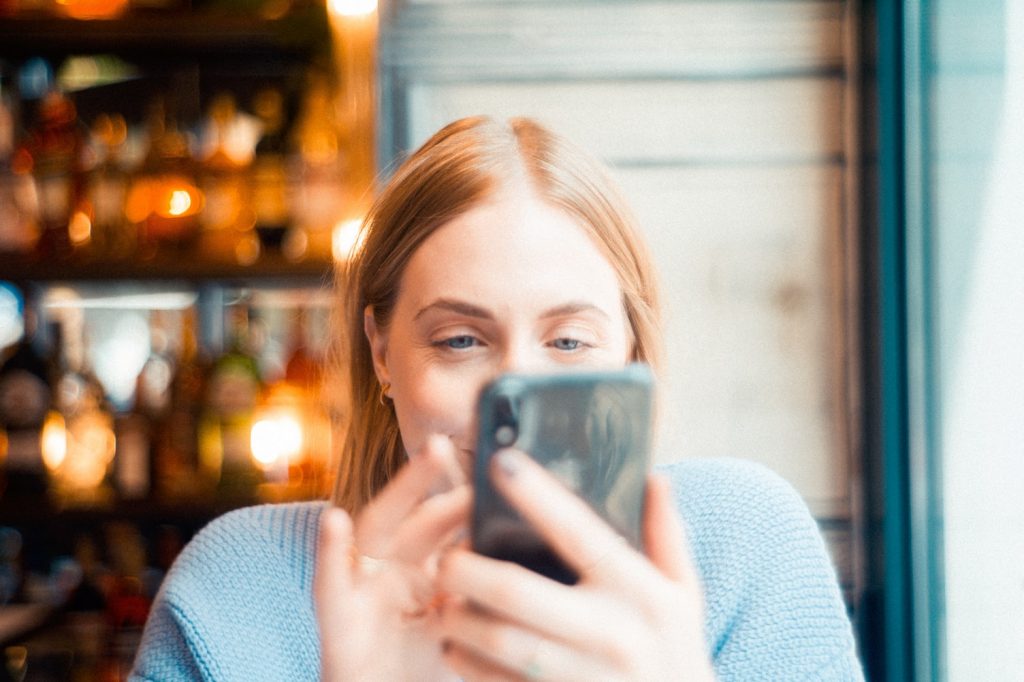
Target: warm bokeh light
179, 203
170, 196
346, 238
247, 249
92, 9
91, 445
352, 8
80, 228
54, 441
176, 198
276, 439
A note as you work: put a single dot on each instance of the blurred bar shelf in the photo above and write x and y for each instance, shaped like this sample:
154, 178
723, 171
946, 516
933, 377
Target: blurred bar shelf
155, 35
185, 267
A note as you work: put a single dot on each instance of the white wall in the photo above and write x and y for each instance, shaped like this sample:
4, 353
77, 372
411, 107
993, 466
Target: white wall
979, 231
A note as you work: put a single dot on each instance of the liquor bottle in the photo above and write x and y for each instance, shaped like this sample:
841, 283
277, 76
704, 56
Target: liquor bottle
107, 190
138, 428
269, 171
304, 375
53, 149
319, 172
18, 229
176, 459
164, 202
232, 394
25, 399
83, 476
301, 368
227, 219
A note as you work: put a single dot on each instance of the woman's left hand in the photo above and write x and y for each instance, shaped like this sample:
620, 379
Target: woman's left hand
630, 616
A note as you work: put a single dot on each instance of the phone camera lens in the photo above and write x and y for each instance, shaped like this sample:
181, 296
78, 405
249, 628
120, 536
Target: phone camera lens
505, 435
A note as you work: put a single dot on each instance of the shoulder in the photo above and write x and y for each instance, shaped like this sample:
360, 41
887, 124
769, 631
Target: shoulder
772, 599
284, 532
739, 513
239, 596
733, 496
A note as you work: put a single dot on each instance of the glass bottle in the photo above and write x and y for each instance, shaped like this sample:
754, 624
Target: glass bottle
18, 229
83, 475
227, 218
269, 172
164, 202
107, 190
25, 399
304, 374
319, 173
53, 149
138, 428
232, 394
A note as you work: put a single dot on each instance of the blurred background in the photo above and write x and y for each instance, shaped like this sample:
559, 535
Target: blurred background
830, 188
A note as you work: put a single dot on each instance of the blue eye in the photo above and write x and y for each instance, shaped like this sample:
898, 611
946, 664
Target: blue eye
460, 342
567, 344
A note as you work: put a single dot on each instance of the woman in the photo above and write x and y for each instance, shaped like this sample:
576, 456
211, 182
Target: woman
498, 247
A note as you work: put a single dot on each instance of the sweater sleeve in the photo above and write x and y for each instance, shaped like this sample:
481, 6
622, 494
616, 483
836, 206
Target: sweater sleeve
165, 654
774, 609
237, 603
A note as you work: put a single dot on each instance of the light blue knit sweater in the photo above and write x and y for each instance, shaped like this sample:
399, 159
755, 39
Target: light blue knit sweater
237, 604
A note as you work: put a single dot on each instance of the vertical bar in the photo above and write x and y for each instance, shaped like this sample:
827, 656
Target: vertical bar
850, 267
924, 462
895, 661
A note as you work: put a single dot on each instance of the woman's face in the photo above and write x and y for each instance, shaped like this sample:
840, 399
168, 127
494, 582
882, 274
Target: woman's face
514, 284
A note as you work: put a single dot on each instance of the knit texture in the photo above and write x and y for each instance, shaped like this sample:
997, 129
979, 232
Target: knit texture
237, 605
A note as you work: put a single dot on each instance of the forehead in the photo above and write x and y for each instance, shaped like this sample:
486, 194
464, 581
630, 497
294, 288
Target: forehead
511, 246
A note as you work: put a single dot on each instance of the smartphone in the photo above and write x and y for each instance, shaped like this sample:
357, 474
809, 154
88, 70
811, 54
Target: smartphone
591, 430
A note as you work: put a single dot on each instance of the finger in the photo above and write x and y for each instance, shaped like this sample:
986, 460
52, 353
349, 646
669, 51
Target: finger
431, 526
574, 530
425, 472
473, 668
332, 577
484, 640
510, 591
664, 536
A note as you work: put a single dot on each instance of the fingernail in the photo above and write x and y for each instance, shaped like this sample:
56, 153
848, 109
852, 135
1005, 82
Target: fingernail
459, 536
508, 462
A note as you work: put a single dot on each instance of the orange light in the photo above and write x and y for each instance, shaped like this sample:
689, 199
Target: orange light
80, 228
276, 438
93, 9
352, 8
346, 238
140, 200
179, 203
54, 441
176, 198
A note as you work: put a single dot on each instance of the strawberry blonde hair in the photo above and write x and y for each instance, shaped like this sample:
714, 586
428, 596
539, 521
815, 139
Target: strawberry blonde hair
457, 169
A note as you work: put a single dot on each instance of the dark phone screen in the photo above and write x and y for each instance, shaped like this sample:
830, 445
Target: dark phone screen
592, 431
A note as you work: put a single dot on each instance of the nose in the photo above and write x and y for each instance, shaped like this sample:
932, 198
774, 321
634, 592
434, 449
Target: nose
520, 357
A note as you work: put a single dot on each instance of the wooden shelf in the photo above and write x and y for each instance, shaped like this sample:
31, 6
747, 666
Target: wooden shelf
160, 35
185, 268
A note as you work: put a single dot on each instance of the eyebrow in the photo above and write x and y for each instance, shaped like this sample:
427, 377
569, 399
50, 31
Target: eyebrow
573, 308
455, 306
471, 310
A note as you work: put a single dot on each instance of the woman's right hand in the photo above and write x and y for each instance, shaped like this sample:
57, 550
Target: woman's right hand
373, 583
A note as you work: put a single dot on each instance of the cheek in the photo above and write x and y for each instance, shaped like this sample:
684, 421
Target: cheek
434, 403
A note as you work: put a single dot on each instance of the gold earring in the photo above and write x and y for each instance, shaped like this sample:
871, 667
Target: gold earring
383, 397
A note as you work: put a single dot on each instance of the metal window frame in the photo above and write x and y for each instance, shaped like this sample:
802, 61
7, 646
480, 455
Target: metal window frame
903, 629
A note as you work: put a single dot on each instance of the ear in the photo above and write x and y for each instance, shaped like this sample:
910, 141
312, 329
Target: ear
378, 339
